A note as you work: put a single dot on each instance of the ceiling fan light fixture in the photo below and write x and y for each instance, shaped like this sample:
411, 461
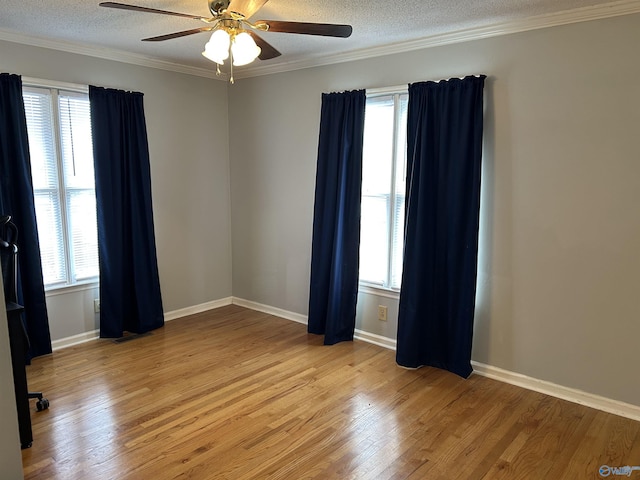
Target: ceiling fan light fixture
217, 48
231, 37
244, 49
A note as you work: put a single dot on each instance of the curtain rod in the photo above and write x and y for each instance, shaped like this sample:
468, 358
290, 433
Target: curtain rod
384, 90
405, 87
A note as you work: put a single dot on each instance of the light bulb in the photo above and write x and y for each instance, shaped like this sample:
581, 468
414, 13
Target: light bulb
244, 49
217, 48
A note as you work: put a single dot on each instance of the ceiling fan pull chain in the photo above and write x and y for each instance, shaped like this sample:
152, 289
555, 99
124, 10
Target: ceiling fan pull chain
231, 81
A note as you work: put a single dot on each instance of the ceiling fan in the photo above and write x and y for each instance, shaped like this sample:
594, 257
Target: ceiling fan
234, 35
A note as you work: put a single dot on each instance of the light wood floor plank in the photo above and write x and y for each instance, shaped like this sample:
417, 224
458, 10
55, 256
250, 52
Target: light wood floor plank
237, 394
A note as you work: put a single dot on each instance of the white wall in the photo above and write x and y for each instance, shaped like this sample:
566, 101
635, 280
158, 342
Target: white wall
71, 313
188, 141
559, 267
10, 457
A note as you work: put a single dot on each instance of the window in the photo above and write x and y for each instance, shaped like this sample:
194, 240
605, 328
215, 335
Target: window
59, 129
383, 190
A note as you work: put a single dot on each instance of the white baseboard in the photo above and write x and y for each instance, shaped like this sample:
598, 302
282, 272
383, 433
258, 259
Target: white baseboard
548, 388
75, 340
303, 319
203, 307
278, 312
168, 316
570, 394
379, 340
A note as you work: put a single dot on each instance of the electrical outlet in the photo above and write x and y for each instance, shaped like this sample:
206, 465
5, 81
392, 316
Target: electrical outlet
382, 313
96, 306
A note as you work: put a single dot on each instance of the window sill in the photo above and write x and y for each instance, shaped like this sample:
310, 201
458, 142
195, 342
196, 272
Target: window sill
378, 291
76, 287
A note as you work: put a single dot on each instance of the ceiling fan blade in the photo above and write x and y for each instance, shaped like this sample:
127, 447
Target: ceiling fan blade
323, 29
184, 33
246, 8
124, 6
268, 51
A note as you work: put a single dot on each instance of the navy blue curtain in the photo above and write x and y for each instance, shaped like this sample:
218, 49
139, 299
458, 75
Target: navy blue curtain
130, 298
16, 199
336, 219
437, 298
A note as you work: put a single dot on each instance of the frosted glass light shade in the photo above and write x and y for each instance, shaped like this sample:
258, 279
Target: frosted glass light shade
244, 49
217, 48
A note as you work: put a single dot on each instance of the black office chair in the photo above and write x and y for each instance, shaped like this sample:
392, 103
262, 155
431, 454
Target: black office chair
9, 256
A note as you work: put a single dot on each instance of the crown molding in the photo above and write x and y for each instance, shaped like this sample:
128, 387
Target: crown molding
106, 54
585, 14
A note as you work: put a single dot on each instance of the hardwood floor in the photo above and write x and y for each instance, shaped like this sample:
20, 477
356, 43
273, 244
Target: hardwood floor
238, 394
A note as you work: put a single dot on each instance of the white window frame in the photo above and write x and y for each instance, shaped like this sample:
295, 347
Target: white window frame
385, 289
70, 285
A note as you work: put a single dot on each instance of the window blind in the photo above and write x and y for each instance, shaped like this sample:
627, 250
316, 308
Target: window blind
383, 190
44, 172
59, 129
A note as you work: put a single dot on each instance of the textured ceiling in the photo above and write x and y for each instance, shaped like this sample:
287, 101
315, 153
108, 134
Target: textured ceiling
375, 23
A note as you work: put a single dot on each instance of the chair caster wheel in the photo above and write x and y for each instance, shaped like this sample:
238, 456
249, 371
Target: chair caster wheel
42, 404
